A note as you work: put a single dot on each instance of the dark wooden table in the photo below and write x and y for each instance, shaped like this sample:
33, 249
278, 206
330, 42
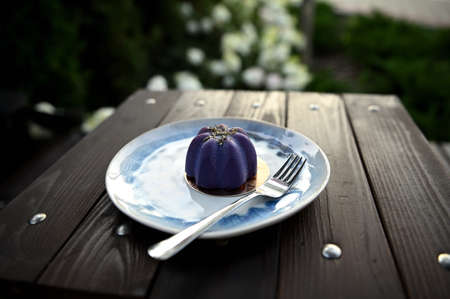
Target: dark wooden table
386, 206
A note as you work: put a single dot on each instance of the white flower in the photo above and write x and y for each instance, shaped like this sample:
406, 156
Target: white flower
157, 83
293, 37
45, 107
232, 61
192, 27
253, 76
195, 56
187, 81
230, 41
249, 31
206, 24
186, 9
296, 82
274, 81
269, 36
281, 52
38, 132
218, 67
269, 11
297, 76
293, 67
221, 14
266, 14
273, 56
228, 81
283, 19
236, 41
96, 118
276, 13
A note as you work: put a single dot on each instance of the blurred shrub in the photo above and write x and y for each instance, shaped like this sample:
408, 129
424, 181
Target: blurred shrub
328, 27
252, 44
396, 57
324, 81
95, 53
40, 51
115, 55
73, 54
91, 54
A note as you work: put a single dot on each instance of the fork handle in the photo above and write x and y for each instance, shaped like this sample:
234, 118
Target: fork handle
171, 246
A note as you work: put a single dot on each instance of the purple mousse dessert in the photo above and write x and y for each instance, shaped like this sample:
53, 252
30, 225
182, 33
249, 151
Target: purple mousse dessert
221, 158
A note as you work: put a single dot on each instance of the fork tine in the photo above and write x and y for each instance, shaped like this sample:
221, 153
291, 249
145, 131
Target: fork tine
290, 180
282, 167
291, 169
288, 168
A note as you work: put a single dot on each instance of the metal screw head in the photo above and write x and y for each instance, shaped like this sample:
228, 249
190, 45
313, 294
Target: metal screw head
122, 230
331, 251
444, 260
256, 105
150, 101
313, 107
373, 108
38, 218
199, 103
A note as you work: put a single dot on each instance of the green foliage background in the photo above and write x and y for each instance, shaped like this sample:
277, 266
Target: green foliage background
89, 54
395, 57
73, 54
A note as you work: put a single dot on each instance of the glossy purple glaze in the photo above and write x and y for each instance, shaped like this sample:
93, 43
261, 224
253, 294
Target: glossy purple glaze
221, 158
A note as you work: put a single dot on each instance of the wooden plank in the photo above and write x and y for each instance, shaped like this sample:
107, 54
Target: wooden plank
233, 269
267, 106
99, 260
445, 148
43, 157
95, 259
344, 214
440, 152
247, 266
69, 188
199, 104
411, 188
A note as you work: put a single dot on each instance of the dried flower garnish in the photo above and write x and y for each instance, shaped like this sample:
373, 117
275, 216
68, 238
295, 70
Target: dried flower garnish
220, 133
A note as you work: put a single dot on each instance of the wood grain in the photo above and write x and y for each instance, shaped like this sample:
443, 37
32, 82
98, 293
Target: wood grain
344, 214
98, 260
411, 188
440, 152
95, 259
69, 188
76, 248
271, 106
31, 169
215, 103
247, 266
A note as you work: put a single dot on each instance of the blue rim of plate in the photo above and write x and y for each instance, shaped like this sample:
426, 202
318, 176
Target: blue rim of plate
229, 232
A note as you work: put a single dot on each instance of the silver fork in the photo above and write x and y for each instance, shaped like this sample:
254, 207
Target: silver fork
275, 186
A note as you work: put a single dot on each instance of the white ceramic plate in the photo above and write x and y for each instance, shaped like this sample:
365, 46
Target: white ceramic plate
145, 179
